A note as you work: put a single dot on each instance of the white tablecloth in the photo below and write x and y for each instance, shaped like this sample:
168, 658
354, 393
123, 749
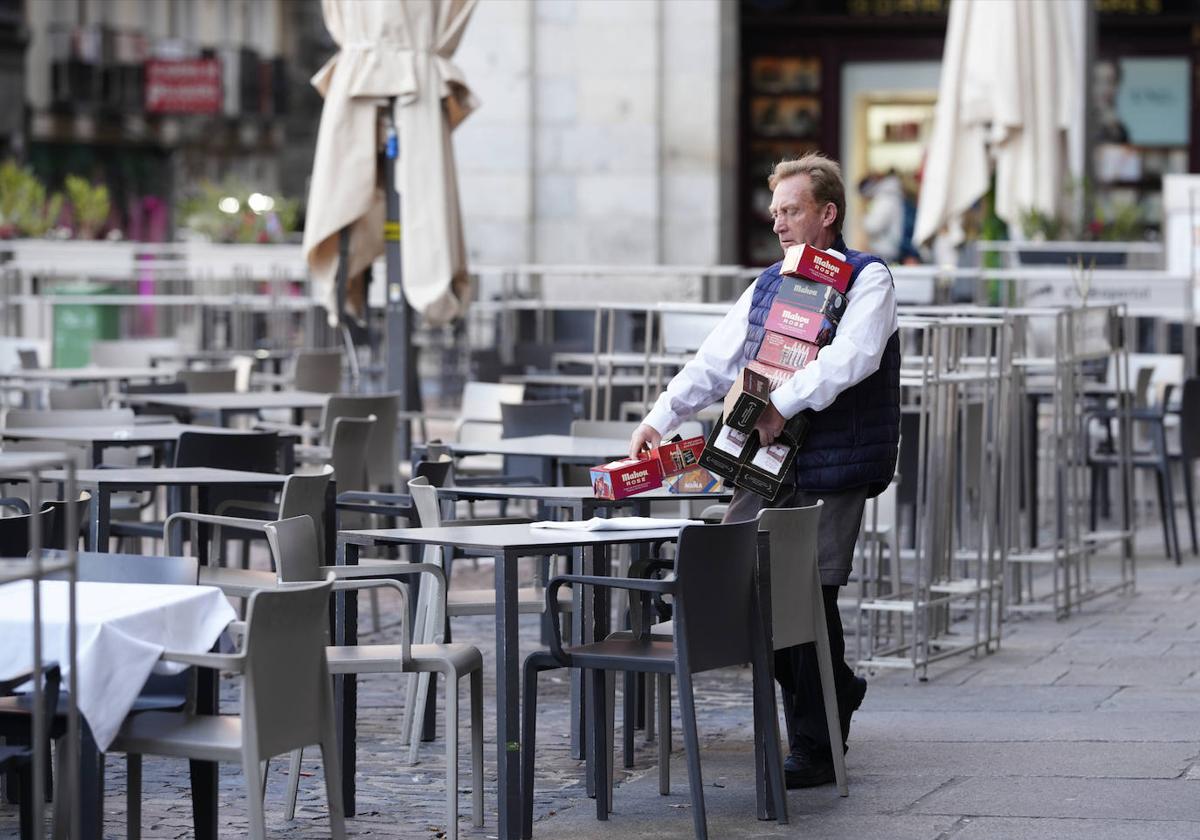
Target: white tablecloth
123, 628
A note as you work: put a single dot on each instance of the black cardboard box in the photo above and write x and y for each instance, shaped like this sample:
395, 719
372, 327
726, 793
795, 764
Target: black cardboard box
732, 455
746, 400
724, 450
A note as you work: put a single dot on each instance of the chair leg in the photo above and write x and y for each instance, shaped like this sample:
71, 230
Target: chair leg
649, 705
133, 795
293, 788
528, 742
27, 808
1169, 492
62, 799
1162, 510
451, 758
602, 747
252, 770
374, 610
832, 713
417, 721
1185, 467
333, 773
664, 734
477, 748
691, 743
629, 721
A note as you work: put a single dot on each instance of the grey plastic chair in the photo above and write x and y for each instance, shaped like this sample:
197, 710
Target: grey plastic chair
614, 429
28, 358
286, 703
77, 397
214, 381
428, 624
292, 544
318, 370
523, 419
715, 591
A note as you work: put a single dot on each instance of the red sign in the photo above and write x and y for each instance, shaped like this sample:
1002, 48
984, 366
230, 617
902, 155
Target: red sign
192, 86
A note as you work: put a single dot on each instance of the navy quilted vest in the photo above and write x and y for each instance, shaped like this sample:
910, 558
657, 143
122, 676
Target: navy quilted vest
855, 440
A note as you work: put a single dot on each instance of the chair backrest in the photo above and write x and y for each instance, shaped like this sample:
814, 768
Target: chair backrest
103, 567
481, 400
293, 543
132, 352
436, 472
715, 596
215, 381
796, 604
286, 691
1141, 388
253, 452
382, 461
28, 358
19, 418
548, 417
15, 537
77, 397
425, 500
612, 429
304, 495
318, 370
685, 331
57, 538
1189, 421
348, 451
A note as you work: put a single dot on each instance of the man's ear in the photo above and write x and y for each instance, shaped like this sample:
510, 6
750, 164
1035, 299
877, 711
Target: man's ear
830, 215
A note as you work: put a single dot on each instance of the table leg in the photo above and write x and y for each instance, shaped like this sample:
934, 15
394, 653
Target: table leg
204, 773
91, 785
508, 704
101, 514
345, 686
578, 699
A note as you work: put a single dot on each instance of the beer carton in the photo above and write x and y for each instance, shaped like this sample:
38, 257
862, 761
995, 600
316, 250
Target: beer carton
786, 352
746, 400
828, 267
695, 480
677, 456
813, 296
787, 318
765, 469
627, 477
724, 449
775, 375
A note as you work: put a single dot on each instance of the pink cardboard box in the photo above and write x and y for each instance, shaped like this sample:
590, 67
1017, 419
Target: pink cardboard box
813, 296
815, 264
775, 375
787, 318
786, 352
619, 479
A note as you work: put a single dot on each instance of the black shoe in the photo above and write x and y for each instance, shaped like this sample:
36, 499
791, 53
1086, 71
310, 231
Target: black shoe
801, 770
858, 690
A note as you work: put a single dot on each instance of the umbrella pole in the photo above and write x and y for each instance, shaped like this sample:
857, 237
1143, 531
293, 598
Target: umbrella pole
401, 354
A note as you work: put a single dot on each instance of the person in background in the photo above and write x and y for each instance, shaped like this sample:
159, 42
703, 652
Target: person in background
884, 220
852, 393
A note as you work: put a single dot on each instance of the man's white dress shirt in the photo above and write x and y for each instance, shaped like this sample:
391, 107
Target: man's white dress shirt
852, 356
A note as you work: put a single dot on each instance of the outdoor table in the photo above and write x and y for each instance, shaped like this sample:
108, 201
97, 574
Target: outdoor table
507, 544
275, 358
224, 405
121, 630
161, 436
554, 450
76, 376
103, 483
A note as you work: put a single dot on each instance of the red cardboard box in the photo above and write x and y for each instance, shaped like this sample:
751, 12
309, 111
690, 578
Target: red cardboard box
619, 479
678, 456
813, 296
787, 318
786, 352
815, 264
776, 375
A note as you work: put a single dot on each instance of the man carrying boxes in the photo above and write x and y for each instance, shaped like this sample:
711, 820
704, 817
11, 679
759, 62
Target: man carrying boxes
827, 342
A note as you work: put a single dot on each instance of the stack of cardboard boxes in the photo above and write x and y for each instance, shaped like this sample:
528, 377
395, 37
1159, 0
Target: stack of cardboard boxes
803, 319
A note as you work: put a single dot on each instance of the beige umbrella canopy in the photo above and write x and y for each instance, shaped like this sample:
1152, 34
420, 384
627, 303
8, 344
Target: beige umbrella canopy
400, 49
1009, 95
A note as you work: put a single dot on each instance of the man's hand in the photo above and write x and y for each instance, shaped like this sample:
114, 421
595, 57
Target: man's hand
644, 437
769, 425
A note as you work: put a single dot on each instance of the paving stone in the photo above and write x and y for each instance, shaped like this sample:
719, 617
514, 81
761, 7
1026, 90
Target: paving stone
989, 828
1099, 799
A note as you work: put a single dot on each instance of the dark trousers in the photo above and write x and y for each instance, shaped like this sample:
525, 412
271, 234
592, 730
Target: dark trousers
799, 676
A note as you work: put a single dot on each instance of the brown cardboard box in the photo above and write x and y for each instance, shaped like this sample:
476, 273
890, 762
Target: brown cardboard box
747, 398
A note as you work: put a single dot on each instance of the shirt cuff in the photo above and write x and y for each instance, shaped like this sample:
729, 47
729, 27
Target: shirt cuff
661, 419
789, 408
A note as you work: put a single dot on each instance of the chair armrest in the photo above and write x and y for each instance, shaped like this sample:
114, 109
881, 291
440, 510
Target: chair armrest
232, 662
238, 504
237, 631
211, 519
19, 505
284, 428
398, 499
378, 504
496, 480
556, 583
7, 685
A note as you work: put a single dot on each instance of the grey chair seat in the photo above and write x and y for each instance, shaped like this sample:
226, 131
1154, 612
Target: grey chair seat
241, 583
436, 658
655, 653
203, 737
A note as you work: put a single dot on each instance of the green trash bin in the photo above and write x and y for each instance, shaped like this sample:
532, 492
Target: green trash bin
77, 325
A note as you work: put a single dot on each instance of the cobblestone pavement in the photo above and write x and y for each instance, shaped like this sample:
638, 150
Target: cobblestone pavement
914, 741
